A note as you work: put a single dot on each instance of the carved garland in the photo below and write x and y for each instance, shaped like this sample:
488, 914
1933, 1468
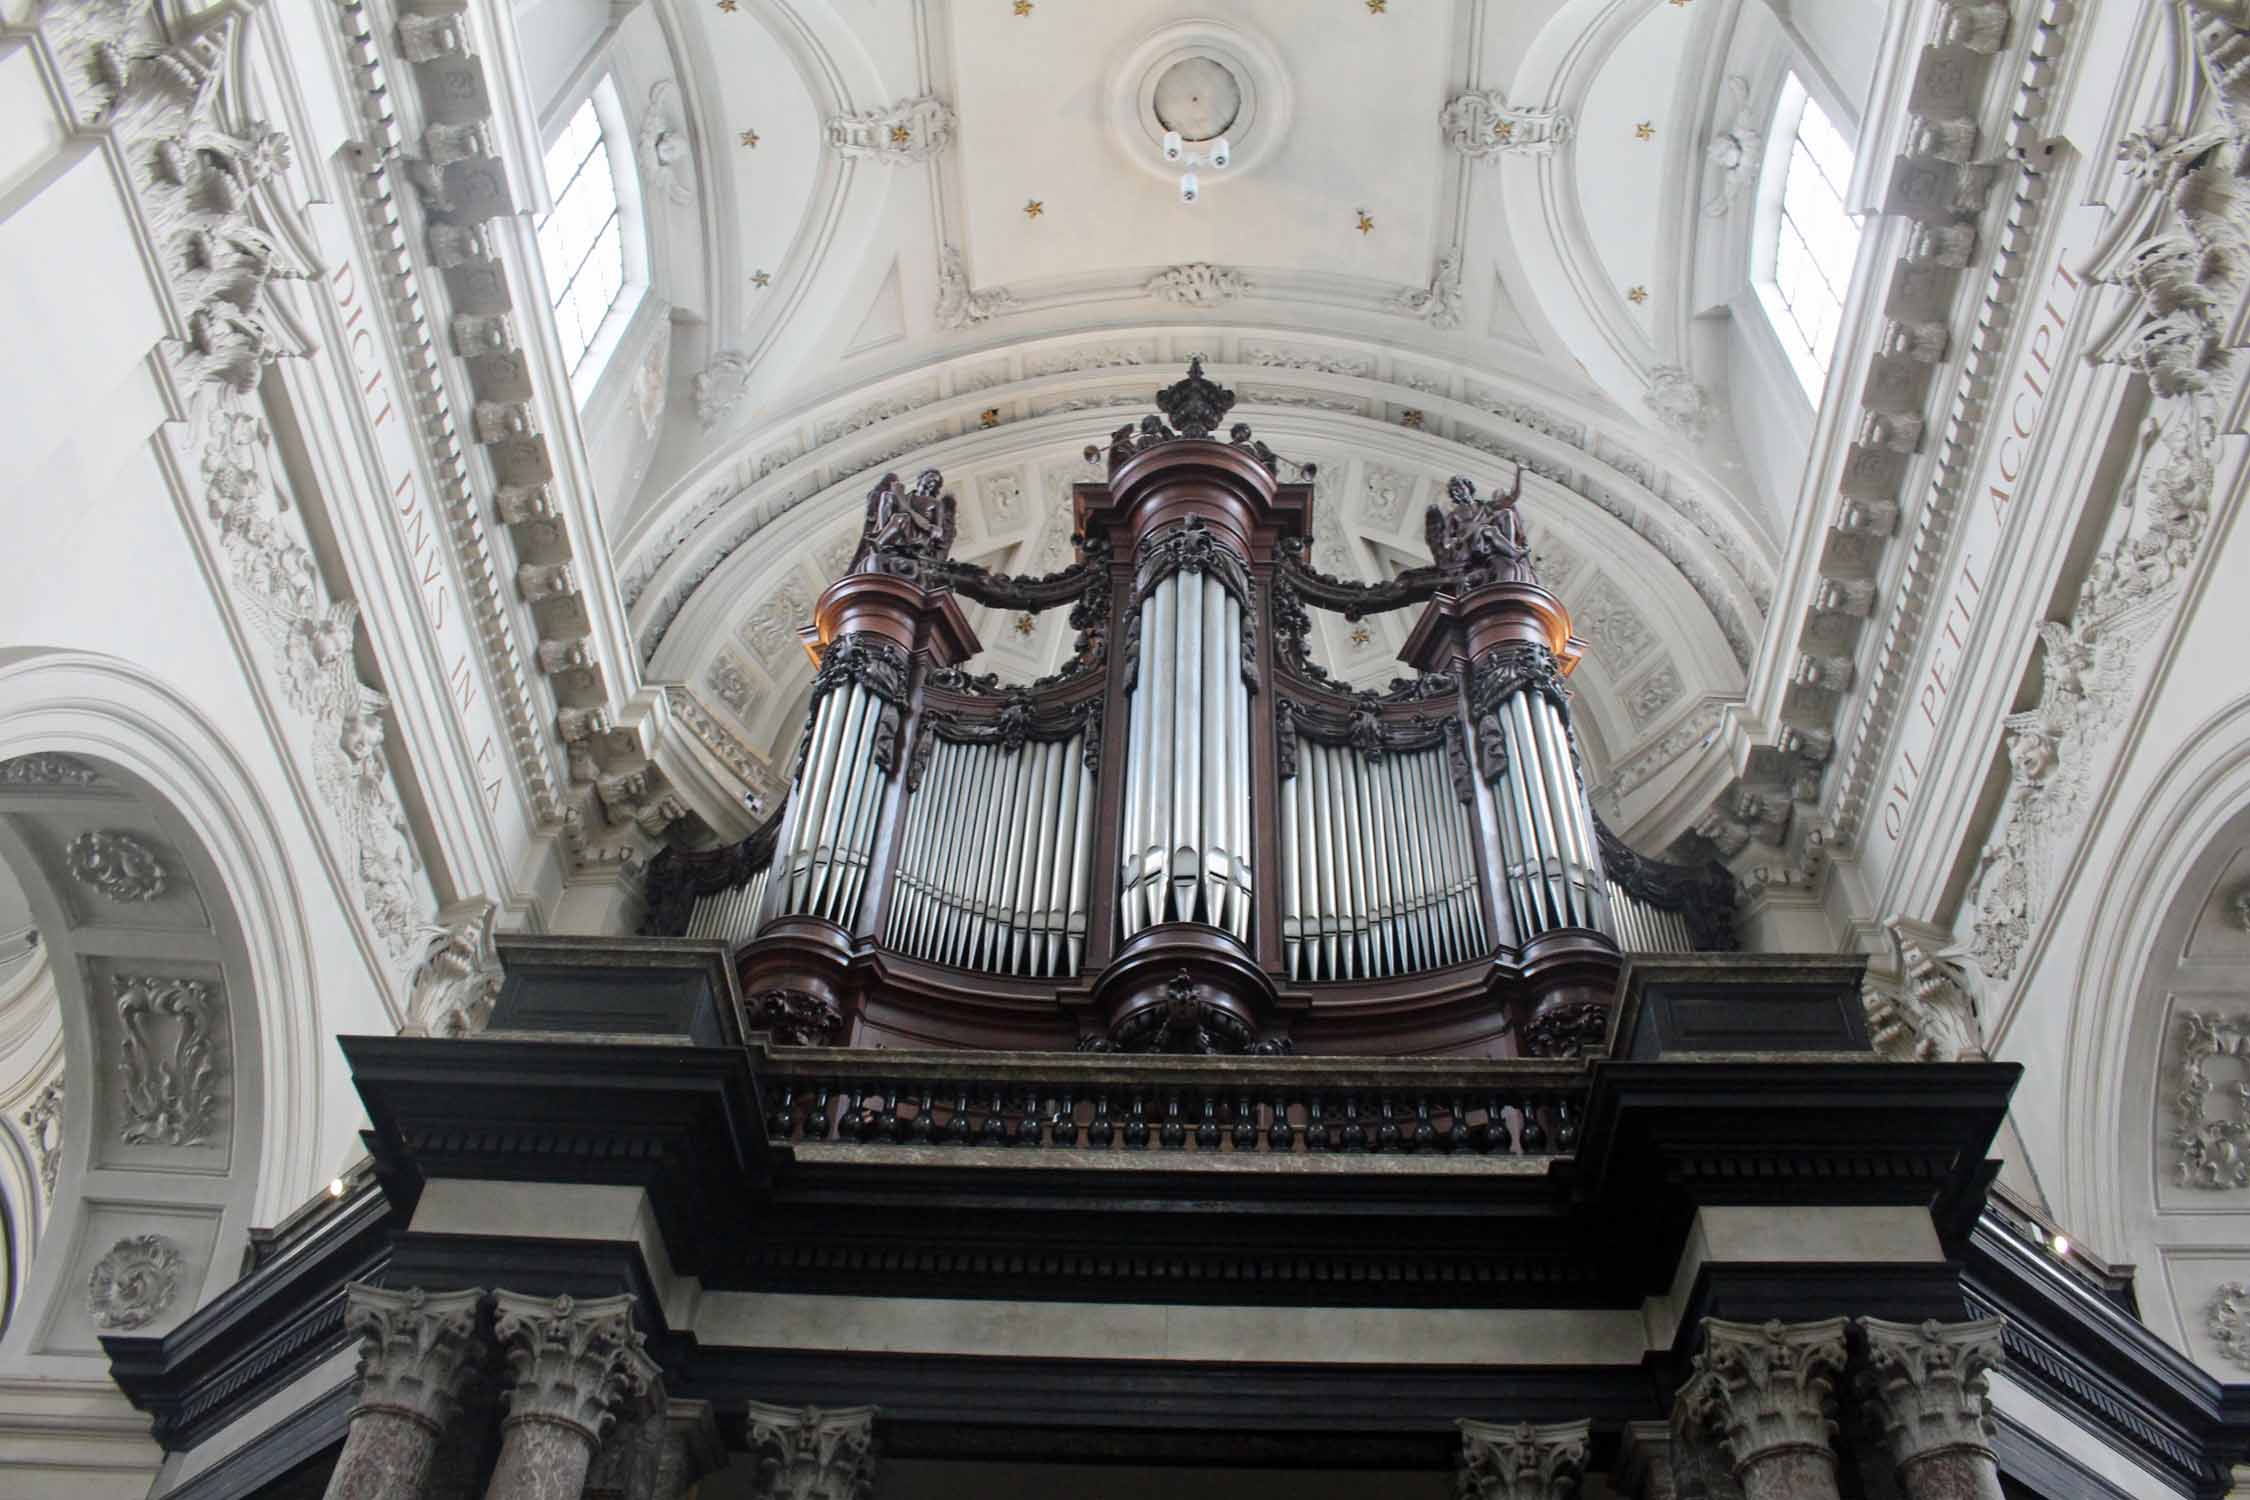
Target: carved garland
2213, 1149
170, 1060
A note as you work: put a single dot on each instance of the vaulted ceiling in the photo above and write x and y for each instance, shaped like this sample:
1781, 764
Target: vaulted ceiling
1455, 236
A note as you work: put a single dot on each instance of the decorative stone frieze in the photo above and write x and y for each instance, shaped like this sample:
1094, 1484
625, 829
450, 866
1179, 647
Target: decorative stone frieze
959, 305
43, 1127
1924, 1384
805, 1453
2212, 1148
1439, 303
1483, 126
121, 866
911, 130
1522, 1461
455, 985
134, 1283
1198, 284
2227, 1324
171, 1060
47, 769
1766, 1392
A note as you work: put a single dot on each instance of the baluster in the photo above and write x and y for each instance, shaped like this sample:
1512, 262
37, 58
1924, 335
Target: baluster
820, 1127
783, 1122
1136, 1124
919, 1131
957, 1128
887, 1126
1566, 1124
996, 1120
1386, 1134
1355, 1133
1496, 1139
1316, 1121
1534, 1133
1279, 1135
1100, 1133
852, 1097
1245, 1123
1028, 1128
1174, 1134
1457, 1138
1207, 1133
1425, 1134
1066, 1117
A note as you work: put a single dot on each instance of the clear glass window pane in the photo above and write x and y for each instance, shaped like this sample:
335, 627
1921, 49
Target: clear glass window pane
1815, 242
580, 242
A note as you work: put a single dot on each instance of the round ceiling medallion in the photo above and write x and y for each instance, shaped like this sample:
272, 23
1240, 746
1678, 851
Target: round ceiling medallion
1204, 79
1198, 97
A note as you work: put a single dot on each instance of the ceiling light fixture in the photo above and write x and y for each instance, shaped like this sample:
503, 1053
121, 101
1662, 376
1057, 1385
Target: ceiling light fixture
1176, 152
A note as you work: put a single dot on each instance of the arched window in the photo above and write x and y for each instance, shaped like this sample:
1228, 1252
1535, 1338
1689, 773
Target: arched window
1808, 239
590, 241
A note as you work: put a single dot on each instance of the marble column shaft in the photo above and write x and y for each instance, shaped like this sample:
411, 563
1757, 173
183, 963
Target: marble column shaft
1925, 1385
417, 1350
572, 1363
1765, 1393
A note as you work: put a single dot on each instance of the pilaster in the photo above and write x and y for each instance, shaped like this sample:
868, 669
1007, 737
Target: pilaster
418, 1350
1522, 1460
1765, 1392
810, 1454
1924, 1384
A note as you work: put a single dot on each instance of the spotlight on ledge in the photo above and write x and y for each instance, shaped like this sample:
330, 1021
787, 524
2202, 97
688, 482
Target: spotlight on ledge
336, 1187
2060, 1244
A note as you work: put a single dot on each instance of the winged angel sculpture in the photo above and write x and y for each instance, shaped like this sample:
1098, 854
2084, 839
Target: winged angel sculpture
906, 530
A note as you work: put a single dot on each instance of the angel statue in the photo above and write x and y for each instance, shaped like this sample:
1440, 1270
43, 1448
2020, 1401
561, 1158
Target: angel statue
1734, 151
906, 529
663, 152
1480, 541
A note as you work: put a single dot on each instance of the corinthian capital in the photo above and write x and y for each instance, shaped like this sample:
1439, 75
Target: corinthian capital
1765, 1389
417, 1349
1523, 1461
810, 1454
573, 1361
1926, 1383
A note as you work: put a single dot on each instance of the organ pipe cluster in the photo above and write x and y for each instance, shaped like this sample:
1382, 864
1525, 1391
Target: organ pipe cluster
1550, 856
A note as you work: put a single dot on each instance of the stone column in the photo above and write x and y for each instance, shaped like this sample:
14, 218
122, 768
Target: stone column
1924, 1384
1644, 1463
1522, 1461
809, 1454
1765, 1393
624, 1467
572, 1362
417, 1350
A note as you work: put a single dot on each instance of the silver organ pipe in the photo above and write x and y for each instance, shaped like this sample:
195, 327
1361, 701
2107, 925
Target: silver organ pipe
730, 915
992, 867
1379, 870
1643, 928
1185, 850
824, 849
1554, 873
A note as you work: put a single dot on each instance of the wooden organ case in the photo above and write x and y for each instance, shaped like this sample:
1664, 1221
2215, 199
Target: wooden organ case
1189, 839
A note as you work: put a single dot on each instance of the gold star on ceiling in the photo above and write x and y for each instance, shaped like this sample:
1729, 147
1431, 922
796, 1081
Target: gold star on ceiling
1025, 624
1361, 635
1503, 130
760, 279
1645, 131
730, 6
989, 417
1410, 418
749, 138
900, 135
1366, 224
1023, 7
1034, 209
1377, 7
1636, 295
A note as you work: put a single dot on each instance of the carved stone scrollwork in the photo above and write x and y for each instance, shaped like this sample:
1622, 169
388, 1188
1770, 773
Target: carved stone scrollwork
1679, 402
1522, 1461
805, 1453
1483, 126
1929, 1013
1766, 1392
2227, 1324
911, 130
122, 866
43, 1126
1925, 1384
958, 305
170, 1061
1439, 303
1198, 284
2213, 1146
134, 1283
794, 1018
46, 768
454, 987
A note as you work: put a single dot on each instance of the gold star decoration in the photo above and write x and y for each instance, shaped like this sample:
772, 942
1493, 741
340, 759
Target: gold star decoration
1023, 7
1034, 209
1377, 7
1366, 224
1361, 635
730, 6
989, 417
1636, 295
1410, 418
761, 280
900, 135
1503, 130
750, 138
1645, 131
1025, 624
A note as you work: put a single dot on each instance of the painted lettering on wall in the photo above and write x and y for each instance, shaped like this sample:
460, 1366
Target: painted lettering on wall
417, 528
1984, 526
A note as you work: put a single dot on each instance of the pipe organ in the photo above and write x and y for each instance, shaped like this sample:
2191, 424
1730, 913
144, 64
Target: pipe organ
1074, 862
